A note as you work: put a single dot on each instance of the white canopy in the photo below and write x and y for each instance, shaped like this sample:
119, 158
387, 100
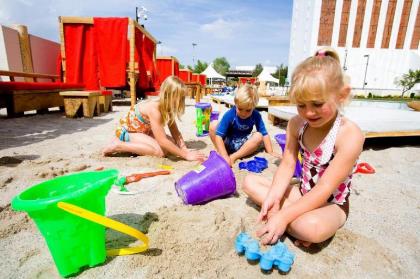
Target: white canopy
210, 72
266, 75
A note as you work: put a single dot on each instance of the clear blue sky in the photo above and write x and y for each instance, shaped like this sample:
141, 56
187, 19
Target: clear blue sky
245, 32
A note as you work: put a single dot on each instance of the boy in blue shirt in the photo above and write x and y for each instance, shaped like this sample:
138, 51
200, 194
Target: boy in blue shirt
232, 135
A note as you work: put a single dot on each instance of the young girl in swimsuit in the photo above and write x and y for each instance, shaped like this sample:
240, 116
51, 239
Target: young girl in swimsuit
142, 130
329, 144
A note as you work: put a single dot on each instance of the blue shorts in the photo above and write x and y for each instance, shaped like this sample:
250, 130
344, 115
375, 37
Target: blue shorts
234, 144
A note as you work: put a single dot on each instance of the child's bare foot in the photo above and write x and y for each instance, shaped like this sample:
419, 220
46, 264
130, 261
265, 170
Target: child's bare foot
111, 147
305, 244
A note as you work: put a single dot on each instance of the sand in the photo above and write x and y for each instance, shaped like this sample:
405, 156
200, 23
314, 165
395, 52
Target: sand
380, 239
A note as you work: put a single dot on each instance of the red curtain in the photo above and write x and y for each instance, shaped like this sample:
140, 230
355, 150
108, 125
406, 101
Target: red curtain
58, 67
81, 62
143, 82
148, 52
195, 78
176, 68
203, 79
111, 44
165, 69
184, 76
244, 80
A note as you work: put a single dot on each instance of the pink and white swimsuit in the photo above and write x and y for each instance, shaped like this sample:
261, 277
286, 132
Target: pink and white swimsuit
316, 162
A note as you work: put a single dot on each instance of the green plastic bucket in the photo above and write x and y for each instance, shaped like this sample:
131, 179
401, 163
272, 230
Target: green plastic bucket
74, 242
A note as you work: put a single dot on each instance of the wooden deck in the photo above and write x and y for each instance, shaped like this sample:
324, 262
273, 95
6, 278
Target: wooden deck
374, 121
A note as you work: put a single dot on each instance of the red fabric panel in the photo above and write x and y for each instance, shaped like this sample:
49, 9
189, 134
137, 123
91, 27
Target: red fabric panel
81, 62
106, 92
111, 44
244, 80
22, 85
184, 76
195, 78
165, 69
176, 68
203, 79
148, 55
143, 81
58, 66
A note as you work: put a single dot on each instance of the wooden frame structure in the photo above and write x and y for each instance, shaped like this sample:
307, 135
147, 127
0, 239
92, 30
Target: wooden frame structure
174, 68
185, 75
132, 67
18, 97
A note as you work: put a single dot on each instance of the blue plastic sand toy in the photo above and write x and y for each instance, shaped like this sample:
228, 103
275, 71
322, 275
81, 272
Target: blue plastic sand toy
257, 165
278, 255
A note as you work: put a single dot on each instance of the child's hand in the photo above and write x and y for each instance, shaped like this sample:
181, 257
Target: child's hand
276, 155
269, 207
193, 155
273, 229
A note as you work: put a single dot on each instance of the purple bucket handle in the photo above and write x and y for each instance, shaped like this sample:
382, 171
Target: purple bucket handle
281, 140
214, 180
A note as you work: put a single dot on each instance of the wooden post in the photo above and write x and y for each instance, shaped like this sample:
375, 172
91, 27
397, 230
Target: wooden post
62, 47
131, 73
25, 50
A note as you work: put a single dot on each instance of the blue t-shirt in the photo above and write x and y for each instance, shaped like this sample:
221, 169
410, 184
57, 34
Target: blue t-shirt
232, 126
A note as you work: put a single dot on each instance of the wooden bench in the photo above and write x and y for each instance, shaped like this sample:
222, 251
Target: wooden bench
276, 101
105, 101
194, 90
20, 96
75, 101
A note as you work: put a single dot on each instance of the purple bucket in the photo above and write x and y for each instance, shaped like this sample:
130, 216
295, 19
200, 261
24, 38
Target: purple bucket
281, 140
214, 115
214, 180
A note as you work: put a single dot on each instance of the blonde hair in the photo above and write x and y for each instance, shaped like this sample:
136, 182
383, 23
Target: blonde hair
246, 96
172, 99
317, 77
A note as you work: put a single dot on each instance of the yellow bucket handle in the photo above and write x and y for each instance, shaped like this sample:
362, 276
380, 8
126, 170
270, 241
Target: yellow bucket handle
115, 225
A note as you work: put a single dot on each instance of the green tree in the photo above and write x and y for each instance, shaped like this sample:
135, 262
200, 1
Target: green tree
181, 66
200, 67
221, 65
408, 80
257, 70
281, 74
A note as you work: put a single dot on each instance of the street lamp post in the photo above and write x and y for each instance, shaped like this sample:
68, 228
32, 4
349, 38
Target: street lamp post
367, 63
345, 60
160, 43
193, 45
141, 13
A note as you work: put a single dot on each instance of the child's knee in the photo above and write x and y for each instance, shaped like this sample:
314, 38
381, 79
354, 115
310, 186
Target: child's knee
258, 137
311, 229
247, 183
159, 153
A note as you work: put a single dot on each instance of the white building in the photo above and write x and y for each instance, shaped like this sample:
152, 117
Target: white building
377, 40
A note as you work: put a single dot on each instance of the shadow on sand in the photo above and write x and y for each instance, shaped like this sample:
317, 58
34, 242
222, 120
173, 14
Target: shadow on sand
388, 142
31, 129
